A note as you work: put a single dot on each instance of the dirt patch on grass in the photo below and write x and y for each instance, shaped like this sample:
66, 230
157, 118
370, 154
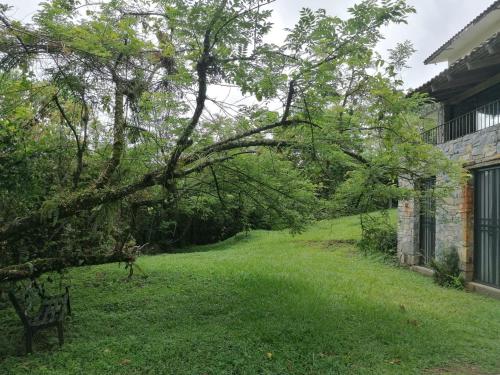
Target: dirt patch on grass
330, 244
458, 370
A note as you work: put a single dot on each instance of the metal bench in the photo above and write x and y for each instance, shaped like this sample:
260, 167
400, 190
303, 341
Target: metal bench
51, 314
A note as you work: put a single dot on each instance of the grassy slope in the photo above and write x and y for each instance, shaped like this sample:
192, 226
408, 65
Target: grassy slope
267, 304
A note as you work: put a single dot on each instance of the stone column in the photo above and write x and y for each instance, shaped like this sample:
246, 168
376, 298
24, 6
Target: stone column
408, 229
455, 226
466, 252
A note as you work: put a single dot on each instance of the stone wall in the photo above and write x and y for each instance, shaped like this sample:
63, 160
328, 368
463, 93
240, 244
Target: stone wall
454, 214
454, 225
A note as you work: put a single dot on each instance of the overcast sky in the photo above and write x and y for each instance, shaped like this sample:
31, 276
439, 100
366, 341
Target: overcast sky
433, 24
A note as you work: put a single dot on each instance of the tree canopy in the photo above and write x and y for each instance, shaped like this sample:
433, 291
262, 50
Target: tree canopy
169, 118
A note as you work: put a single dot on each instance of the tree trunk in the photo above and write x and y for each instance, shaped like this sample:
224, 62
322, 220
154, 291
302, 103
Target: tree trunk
118, 139
85, 200
39, 266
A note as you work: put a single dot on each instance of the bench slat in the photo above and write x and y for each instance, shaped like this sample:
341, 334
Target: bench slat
51, 313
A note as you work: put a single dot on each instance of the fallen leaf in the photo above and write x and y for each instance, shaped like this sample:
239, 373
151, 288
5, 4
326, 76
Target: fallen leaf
125, 361
413, 322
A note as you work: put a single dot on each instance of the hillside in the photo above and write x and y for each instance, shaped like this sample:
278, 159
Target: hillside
266, 303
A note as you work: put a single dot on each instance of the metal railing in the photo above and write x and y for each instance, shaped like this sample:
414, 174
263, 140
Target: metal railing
480, 118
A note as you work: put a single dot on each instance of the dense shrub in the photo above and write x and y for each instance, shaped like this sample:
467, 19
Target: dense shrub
378, 235
447, 270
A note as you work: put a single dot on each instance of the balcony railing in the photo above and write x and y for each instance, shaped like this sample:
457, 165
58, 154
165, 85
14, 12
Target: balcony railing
480, 118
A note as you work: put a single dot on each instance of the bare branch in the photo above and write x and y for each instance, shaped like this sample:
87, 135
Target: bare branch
67, 120
289, 99
217, 187
146, 14
215, 147
355, 156
210, 162
118, 139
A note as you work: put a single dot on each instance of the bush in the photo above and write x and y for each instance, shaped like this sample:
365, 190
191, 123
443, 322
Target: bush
378, 235
447, 270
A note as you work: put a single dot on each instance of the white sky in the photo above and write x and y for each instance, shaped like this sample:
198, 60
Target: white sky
433, 24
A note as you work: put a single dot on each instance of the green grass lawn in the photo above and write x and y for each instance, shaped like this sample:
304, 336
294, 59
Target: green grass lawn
269, 303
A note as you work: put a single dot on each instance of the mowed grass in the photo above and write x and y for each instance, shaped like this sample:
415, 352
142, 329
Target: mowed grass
266, 303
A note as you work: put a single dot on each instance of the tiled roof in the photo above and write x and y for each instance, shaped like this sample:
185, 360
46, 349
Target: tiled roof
492, 7
460, 66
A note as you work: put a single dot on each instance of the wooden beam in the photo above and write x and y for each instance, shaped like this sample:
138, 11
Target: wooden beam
457, 82
477, 74
476, 89
485, 62
493, 49
450, 92
445, 96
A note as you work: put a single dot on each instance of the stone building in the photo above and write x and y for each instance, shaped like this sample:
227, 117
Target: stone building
468, 130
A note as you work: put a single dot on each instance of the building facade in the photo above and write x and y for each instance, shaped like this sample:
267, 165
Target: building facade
468, 130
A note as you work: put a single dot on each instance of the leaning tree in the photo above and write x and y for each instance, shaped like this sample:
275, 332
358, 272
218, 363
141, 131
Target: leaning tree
190, 88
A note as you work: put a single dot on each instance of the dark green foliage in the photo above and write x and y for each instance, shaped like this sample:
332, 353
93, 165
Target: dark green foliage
165, 229
447, 270
89, 233
122, 141
378, 235
241, 195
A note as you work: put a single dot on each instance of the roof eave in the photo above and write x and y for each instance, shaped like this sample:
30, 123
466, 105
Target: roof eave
434, 57
464, 69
